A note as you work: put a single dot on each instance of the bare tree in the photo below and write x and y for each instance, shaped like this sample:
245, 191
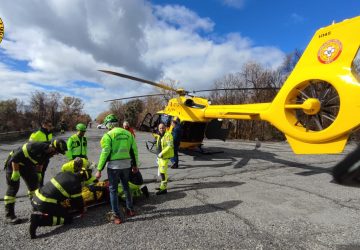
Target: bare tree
132, 110
264, 83
38, 106
53, 105
71, 109
118, 108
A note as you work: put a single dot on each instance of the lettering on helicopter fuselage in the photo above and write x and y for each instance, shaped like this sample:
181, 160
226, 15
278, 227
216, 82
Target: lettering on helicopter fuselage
325, 34
170, 109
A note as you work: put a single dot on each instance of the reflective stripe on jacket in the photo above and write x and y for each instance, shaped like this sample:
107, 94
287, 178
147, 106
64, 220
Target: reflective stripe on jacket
64, 185
26, 153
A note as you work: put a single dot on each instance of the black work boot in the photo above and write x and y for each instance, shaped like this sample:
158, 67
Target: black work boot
145, 191
34, 224
10, 217
160, 192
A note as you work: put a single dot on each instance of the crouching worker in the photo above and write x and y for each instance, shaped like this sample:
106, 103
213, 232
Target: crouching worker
47, 201
347, 171
76, 165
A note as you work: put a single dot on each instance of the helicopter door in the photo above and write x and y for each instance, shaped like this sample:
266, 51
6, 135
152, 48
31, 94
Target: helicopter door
146, 123
155, 120
214, 130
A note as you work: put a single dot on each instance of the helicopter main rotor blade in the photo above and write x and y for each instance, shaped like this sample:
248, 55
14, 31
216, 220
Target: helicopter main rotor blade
244, 89
139, 80
131, 97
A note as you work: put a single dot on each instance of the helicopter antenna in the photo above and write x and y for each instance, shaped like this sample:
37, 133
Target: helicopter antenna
131, 97
139, 80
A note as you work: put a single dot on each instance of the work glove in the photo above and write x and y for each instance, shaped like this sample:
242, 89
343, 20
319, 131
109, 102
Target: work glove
39, 177
15, 176
159, 155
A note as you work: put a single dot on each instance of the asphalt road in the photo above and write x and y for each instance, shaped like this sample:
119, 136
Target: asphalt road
243, 198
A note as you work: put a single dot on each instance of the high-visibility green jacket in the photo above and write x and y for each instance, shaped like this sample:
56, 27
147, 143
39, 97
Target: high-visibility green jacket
77, 147
42, 135
69, 167
165, 145
117, 144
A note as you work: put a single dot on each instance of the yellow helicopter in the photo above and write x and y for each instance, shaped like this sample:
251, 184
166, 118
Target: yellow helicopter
317, 108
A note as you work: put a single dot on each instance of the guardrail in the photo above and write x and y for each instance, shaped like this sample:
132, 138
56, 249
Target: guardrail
14, 135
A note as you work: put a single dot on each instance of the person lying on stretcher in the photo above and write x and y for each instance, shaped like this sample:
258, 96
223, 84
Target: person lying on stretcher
95, 191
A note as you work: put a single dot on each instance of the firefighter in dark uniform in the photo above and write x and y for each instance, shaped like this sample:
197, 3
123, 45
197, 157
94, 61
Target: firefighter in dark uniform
44, 134
26, 161
47, 201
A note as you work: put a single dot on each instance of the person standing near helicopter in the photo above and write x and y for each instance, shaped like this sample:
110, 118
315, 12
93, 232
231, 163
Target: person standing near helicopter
176, 133
165, 150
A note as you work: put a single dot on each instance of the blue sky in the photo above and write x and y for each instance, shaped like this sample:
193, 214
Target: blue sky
59, 45
287, 24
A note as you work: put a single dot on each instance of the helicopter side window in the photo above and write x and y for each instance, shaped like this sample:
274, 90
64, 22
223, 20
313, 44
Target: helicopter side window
166, 119
155, 121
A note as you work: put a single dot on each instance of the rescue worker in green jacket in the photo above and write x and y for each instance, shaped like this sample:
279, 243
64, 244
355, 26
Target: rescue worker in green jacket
119, 150
47, 201
77, 143
44, 134
26, 161
78, 163
165, 149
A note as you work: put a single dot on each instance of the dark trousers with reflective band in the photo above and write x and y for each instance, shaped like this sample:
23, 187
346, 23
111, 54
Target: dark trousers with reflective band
52, 214
28, 173
45, 165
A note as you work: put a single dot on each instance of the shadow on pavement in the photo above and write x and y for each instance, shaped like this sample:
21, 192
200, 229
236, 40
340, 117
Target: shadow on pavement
246, 156
188, 211
179, 192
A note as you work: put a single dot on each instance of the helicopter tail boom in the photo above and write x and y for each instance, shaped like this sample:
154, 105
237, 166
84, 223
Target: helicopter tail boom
241, 112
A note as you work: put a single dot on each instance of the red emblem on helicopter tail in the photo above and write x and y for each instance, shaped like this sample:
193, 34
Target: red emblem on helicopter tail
329, 51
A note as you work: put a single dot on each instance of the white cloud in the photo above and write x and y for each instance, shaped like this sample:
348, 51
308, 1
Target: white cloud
69, 40
183, 18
